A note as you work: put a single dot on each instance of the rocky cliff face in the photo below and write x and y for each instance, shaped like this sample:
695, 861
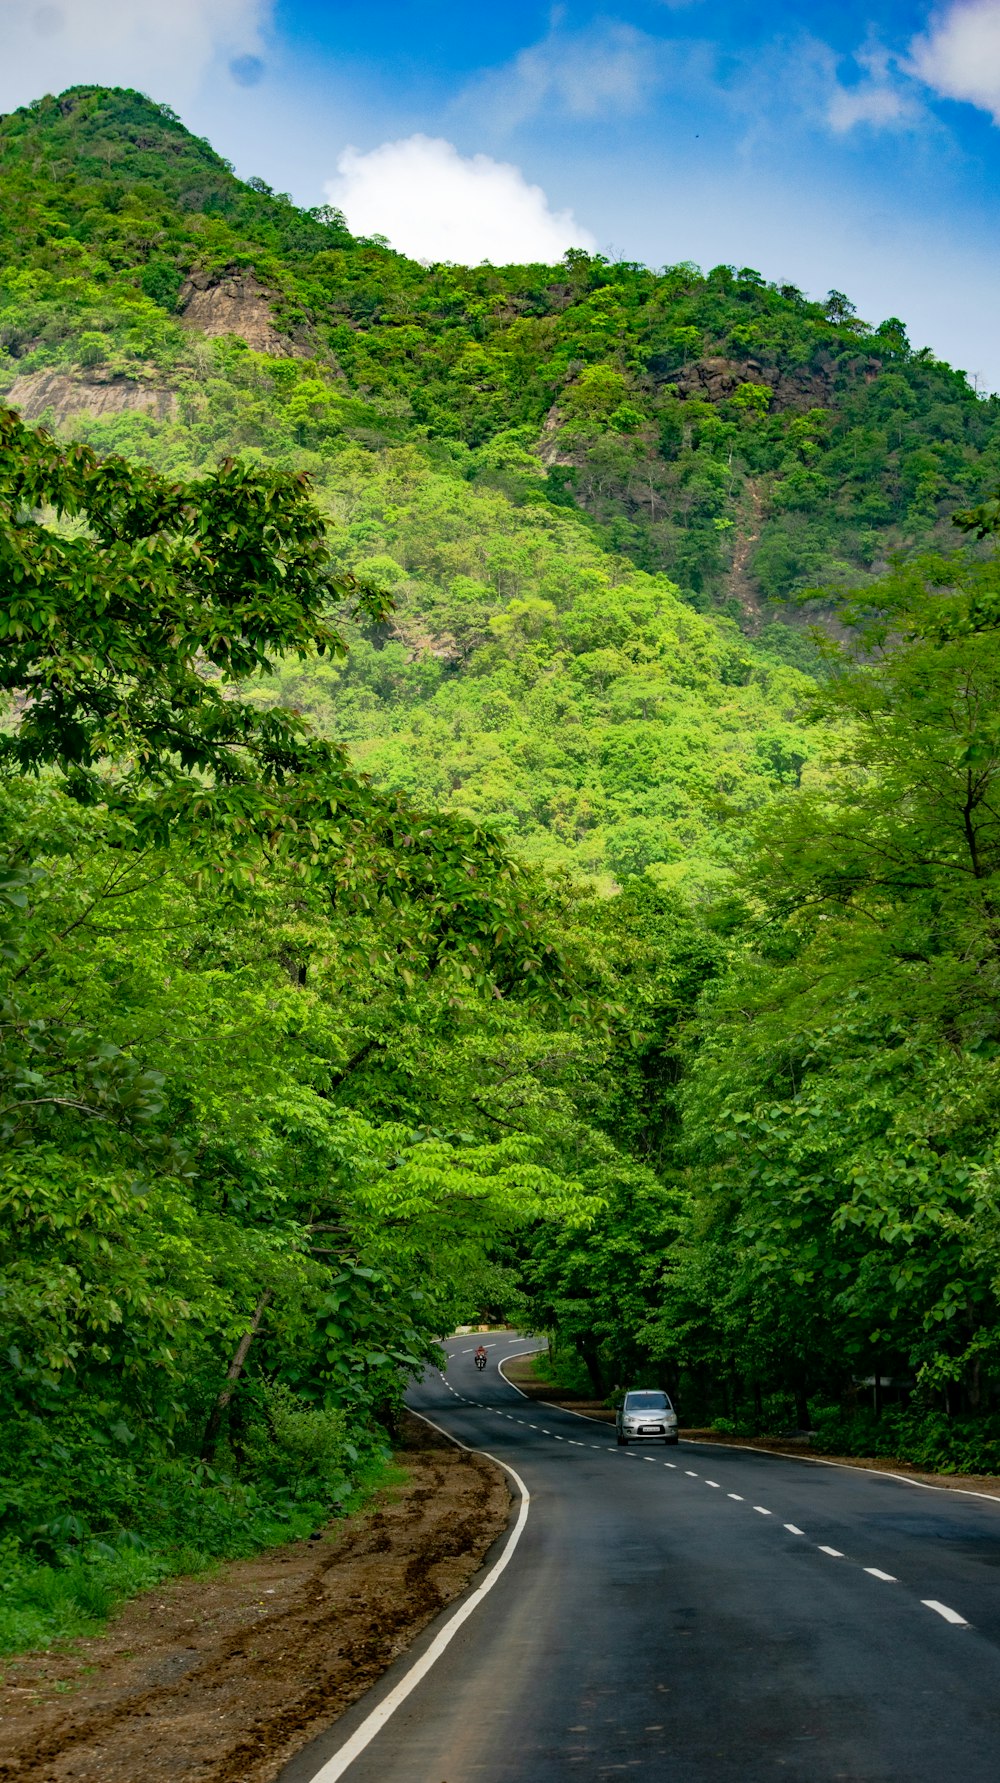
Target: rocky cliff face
234, 303
716, 379
55, 393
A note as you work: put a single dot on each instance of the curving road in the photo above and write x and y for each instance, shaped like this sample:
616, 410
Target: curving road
697, 1615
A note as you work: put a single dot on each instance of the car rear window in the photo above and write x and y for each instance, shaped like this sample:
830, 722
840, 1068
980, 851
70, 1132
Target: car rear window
647, 1402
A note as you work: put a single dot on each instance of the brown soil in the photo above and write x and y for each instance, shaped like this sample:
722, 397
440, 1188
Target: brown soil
521, 1374
748, 528
225, 1676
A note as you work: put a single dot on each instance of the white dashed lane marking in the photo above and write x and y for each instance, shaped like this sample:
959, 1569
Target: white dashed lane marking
941, 1609
930, 1603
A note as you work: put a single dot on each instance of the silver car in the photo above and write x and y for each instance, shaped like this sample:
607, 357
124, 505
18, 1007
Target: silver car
646, 1415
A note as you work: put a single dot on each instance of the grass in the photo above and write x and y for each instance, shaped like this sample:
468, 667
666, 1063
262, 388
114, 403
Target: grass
43, 1605
562, 1371
47, 1604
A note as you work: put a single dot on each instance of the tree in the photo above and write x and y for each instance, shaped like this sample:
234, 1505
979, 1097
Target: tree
211, 926
845, 1103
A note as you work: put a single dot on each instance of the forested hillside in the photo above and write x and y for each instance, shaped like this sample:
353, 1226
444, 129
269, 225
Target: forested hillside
740, 438
441, 873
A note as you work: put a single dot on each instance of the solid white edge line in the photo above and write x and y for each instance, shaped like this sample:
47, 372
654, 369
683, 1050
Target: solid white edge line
517, 1390
941, 1609
877, 1473
550, 1404
328, 1775
783, 1454
373, 1723
568, 1408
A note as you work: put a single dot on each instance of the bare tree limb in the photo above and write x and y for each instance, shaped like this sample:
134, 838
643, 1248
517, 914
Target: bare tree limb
235, 1369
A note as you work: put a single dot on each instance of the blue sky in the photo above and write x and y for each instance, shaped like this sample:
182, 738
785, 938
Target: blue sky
851, 146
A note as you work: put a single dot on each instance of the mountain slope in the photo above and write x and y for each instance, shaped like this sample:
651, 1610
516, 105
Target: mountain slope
749, 1145
745, 440
551, 466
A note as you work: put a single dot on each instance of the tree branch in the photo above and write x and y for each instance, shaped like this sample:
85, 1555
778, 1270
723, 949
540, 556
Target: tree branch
235, 1369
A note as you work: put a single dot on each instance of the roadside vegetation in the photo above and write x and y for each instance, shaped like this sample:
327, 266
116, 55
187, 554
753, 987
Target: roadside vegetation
437, 879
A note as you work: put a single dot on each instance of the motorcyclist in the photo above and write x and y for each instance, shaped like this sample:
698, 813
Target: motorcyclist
480, 1357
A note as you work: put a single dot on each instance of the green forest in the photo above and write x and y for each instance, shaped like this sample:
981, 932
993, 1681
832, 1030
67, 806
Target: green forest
497, 821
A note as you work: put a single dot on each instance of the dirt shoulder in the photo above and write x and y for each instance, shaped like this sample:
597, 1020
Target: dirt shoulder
224, 1676
520, 1374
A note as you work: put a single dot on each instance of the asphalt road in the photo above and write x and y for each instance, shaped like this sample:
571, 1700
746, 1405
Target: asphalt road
699, 1615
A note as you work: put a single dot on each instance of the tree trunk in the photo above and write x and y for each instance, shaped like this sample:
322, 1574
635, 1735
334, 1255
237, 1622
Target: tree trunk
233, 1373
950, 1399
878, 1388
588, 1352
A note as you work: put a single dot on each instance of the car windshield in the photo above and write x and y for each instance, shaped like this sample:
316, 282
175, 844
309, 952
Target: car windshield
646, 1402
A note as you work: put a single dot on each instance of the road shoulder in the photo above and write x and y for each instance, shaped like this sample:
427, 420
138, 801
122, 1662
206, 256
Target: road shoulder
520, 1373
795, 1449
232, 1672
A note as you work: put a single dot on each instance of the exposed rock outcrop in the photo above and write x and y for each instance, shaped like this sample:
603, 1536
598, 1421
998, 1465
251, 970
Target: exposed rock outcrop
235, 302
713, 380
549, 450
36, 392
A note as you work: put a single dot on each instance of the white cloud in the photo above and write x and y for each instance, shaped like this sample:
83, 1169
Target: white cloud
164, 49
609, 71
435, 204
881, 98
800, 80
959, 57
881, 107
